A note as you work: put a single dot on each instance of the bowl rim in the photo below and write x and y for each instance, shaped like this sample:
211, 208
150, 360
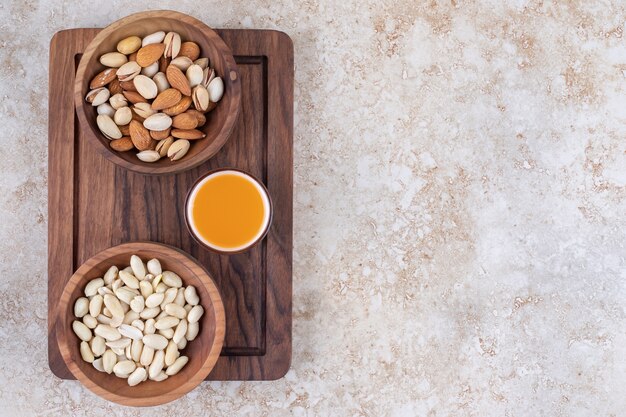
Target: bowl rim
256, 241
231, 77
189, 384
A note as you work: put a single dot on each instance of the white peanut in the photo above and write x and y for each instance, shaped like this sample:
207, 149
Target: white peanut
135, 321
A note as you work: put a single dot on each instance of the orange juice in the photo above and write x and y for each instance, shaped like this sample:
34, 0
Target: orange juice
228, 210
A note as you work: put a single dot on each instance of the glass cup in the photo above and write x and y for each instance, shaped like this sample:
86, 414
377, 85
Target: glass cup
228, 211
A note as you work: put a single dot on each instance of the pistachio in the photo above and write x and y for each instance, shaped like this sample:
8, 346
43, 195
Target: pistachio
156, 37
151, 70
129, 45
118, 101
98, 96
113, 59
161, 81
158, 122
172, 45
148, 156
178, 149
145, 86
202, 62
108, 127
161, 76
200, 97
194, 75
207, 76
182, 62
128, 71
143, 110
216, 89
164, 145
106, 109
123, 116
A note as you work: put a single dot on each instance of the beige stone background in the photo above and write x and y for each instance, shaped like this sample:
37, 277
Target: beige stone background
460, 184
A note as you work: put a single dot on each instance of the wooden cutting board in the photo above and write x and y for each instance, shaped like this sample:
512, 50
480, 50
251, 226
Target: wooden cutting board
94, 204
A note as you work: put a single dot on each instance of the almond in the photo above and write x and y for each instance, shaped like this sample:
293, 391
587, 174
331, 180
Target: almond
200, 117
134, 97
115, 87
189, 134
125, 130
160, 135
122, 145
150, 54
140, 136
163, 63
179, 107
178, 80
166, 99
189, 49
133, 57
185, 121
103, 78
128, 85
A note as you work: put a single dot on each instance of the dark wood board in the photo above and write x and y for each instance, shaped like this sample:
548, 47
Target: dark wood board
94, 204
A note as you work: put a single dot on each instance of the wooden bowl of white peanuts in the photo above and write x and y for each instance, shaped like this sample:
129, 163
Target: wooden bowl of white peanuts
140, 324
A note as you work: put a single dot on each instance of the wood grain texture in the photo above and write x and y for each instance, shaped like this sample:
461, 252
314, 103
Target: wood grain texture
94, 204
203, 352
220, 121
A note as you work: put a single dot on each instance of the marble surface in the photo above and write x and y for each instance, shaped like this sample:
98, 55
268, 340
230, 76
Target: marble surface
460, 200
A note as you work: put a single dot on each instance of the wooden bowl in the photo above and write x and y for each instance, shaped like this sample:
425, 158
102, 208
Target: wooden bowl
220, 121
203, 352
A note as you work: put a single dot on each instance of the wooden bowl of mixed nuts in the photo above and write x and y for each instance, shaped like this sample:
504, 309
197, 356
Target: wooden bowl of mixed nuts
159, 90
140, 324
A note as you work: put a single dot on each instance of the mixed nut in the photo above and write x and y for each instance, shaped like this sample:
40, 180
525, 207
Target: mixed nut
153, 95
133, 322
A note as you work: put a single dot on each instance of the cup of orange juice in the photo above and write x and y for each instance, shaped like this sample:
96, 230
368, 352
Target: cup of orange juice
228, 210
